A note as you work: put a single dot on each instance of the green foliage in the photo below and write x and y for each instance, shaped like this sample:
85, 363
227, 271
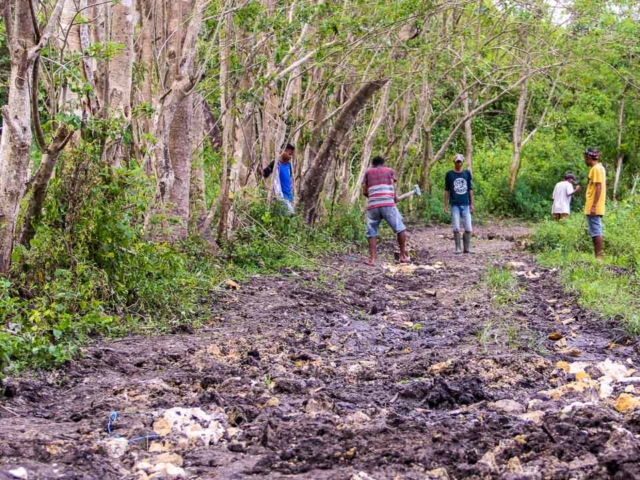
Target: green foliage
611, 287
502, 286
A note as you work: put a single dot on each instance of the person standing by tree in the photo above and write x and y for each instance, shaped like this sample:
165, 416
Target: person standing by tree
378, 186
562, 194
458, 194
596, 196
283, 184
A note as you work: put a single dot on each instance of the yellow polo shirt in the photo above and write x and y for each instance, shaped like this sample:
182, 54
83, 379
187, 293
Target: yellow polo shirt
597, 174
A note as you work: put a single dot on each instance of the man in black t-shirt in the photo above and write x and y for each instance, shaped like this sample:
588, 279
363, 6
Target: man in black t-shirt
458, 193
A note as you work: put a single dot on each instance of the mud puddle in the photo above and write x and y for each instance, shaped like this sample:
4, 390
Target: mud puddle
359, 374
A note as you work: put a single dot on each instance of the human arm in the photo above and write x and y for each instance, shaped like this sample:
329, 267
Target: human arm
446, 201
596, 198
266, 173
471, 205
576, 189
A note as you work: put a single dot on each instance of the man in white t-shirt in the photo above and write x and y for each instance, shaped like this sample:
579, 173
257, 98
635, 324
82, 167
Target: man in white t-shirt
562, 197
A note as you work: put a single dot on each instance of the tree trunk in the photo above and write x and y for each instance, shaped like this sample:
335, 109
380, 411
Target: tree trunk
518, 131
468, 131
367, 149
620, 153
314, 179
180, 148
427, 161
198, 202
16, 135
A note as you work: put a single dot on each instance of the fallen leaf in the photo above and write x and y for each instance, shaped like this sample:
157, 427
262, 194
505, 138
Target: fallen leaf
555, 336
568, 321
390, 287
231, 284
561, 343
571, 351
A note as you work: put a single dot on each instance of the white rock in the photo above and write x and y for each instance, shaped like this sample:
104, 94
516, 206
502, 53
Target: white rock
509, 407
20, 473
195, 424
115, 447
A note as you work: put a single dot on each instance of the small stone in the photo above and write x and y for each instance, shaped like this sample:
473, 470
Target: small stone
167, 471
514, 466
437, 474
627, 402
358, 417
441, 367
115, 447
143, 465
172, 458
361, 476
489, 459
20, 473
272, 402
506, 406
536, 417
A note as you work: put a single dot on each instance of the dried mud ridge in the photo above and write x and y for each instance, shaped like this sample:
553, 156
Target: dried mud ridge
360, 375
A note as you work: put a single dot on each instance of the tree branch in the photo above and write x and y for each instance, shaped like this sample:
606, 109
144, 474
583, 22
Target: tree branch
37, 125
48, 30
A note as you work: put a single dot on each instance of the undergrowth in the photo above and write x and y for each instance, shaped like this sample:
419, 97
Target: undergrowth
91, 271
611, 287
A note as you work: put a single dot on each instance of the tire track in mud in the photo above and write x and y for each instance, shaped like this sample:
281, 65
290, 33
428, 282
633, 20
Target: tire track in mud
359, 375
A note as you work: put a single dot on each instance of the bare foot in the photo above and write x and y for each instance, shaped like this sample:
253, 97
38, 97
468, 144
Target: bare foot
370, 263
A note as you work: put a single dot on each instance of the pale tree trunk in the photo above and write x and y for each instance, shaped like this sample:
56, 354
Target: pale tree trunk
314, 179
180, 64
619, 151
227, 131
120, 71
367, 148
427, 161
16, 135
518, 131
468, 131
180, 148
198, 202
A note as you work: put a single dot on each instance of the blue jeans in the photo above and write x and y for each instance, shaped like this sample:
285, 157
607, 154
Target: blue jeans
390, 214
463, 211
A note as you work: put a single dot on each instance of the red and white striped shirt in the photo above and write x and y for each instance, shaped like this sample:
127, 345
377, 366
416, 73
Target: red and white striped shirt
381, 187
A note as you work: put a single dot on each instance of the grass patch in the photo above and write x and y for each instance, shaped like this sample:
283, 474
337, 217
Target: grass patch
610, 288
502, 286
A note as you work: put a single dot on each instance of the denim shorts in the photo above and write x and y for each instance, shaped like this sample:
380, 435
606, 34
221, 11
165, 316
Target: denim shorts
390, 214
595, 225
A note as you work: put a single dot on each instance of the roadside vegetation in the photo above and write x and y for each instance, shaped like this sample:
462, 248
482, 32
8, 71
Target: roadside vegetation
610, 287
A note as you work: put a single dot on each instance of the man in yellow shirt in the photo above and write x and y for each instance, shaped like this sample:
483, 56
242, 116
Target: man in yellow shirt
596, 196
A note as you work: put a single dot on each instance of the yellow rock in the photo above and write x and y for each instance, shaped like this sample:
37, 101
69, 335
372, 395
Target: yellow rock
272, 402
514, 465
582, 376
161, 427
440, 367
627, 402
562, 365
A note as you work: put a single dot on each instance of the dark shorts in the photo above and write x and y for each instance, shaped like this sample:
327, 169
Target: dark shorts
595, 225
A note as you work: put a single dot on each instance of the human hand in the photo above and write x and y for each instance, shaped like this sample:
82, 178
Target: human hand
593, 210
446, 208
472, 208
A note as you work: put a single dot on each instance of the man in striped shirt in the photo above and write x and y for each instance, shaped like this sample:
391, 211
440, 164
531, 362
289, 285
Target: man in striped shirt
379, 188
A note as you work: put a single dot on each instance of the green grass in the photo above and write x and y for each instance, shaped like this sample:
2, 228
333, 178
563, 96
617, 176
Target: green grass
610, 288
502, 286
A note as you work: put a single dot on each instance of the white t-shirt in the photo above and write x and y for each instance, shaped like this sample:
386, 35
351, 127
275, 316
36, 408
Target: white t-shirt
562, 197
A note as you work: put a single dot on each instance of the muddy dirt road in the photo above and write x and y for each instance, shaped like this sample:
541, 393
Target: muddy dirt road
414, 373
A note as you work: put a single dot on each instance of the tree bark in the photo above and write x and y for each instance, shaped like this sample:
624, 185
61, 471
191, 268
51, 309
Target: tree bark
314, 179
16, 135
619, 151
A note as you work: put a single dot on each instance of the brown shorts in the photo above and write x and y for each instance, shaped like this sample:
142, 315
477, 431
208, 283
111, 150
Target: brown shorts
560, 216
